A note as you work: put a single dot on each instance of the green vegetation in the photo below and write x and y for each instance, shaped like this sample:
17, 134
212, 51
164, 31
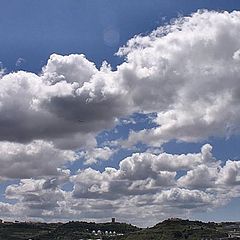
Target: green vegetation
179, 229
171, 229
83, 230
18, 231
59, 231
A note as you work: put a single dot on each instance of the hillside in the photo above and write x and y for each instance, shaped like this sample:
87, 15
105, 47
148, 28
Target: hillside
67, 231
77, 230
180, 229
171, 229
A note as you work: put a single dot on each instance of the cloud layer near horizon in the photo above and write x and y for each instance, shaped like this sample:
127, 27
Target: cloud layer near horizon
187, 73
145, 185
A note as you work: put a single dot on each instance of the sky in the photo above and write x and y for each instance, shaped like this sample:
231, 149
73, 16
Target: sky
125, 109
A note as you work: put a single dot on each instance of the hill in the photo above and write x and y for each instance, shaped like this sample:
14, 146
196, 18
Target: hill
180, 229
85, 230
171, 229
68, 231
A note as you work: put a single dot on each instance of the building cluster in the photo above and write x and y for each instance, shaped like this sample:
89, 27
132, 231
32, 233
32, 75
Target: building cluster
107, 233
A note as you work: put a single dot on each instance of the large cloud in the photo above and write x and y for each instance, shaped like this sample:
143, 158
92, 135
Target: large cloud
68, 103
186, 72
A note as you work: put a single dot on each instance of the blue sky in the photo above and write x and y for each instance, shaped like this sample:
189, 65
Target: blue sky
170, 94
33, 30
